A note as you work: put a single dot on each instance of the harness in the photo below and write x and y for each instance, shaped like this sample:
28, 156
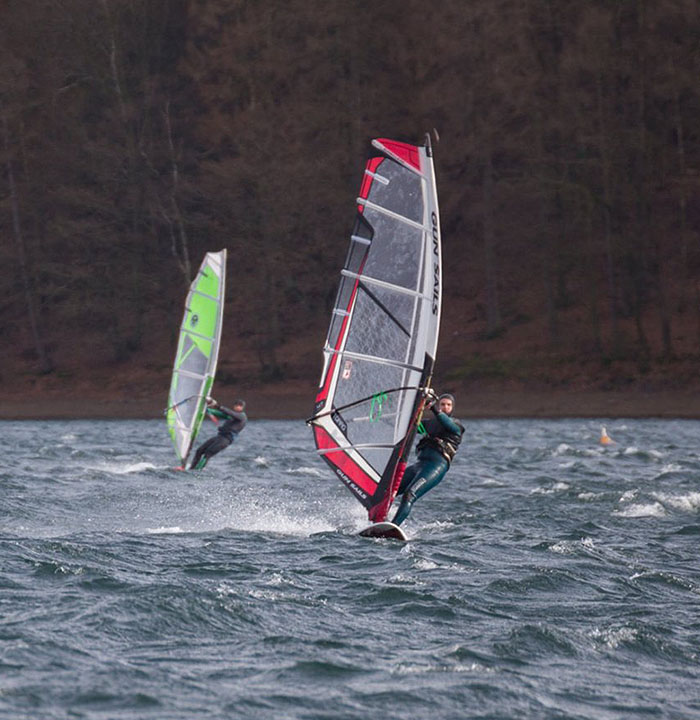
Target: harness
446, 448
444, 442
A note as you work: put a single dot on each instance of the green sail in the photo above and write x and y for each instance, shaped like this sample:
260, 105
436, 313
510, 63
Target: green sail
197, 354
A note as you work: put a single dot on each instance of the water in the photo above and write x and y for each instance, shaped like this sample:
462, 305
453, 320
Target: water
546, 577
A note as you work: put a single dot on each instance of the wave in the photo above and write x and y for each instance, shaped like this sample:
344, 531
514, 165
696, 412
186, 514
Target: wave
642, 510
690, 502
124, 468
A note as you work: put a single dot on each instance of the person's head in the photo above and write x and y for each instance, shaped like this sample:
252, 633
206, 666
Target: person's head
239, 405
446, 403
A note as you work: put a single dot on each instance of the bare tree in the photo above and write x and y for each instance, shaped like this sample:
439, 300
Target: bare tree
45, 363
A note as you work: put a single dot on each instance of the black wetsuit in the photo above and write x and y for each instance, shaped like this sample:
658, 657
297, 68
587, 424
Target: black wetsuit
233, 423
435, 451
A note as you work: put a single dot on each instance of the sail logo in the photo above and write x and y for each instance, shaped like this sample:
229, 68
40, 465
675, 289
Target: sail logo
340, 422
375, 410
348, 481
436, 263
194, 320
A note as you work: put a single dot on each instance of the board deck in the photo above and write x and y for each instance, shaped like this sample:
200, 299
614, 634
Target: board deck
386, 530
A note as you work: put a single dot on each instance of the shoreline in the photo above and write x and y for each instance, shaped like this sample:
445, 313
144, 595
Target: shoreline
491, 404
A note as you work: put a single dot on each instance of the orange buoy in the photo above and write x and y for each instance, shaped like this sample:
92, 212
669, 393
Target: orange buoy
604, 437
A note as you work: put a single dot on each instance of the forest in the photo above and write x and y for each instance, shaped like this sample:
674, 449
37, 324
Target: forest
136, 135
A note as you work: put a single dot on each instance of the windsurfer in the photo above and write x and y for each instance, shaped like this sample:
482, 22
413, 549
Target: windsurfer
435, 451
233, 421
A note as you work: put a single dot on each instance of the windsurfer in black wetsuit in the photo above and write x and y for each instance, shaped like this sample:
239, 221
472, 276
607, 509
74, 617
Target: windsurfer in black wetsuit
233, 421
436, 449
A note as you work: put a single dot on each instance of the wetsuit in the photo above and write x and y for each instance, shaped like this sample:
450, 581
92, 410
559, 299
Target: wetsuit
233, 423
435, 451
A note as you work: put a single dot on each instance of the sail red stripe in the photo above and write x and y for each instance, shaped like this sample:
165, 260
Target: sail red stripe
408, 153
323, 393
344, 462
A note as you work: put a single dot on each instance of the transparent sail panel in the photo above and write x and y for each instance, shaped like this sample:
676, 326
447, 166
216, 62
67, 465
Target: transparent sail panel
402, 195
396, 251
376, 331
361, 378
192, 359
189, 389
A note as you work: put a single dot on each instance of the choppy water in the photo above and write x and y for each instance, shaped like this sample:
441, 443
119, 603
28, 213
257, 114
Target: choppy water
546, 577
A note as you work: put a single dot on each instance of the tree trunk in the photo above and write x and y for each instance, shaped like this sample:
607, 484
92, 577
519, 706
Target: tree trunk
45, 364
591, 274
493, 310
644, 215
607, 229
270, 340
546, 241
176, 223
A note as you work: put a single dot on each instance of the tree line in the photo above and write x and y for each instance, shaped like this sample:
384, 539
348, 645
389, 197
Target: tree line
135, 135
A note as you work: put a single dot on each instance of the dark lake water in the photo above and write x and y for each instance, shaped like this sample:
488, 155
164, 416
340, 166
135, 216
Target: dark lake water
546, 577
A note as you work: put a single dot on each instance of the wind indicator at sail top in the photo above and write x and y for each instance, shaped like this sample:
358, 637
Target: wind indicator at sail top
381, 344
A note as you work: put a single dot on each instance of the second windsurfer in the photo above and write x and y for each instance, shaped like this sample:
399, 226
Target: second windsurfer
233, 422
435, 452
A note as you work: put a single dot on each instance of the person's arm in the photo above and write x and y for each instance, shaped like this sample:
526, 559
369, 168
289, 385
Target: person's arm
217, 410
446, 421
221, 411
225, 413
212, 415
213, 411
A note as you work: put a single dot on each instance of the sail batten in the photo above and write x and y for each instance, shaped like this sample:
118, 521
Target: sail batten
382, 339
381, 283
194, 376
389, 213
205, 295
365, 446
198, 335
375, 359
376, 176
197, 353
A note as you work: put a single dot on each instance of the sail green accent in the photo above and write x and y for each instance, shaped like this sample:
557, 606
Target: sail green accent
208, 283
375, 410
203, 313
202, 409
171, 421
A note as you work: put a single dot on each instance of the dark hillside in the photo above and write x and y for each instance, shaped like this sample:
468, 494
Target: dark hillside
137, 135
